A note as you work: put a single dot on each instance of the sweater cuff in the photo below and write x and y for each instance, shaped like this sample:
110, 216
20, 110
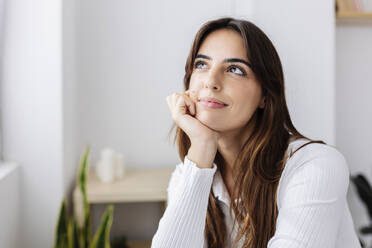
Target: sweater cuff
188, 163
194, 177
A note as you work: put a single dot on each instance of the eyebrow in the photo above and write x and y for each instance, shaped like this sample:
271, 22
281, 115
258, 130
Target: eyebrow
229, 60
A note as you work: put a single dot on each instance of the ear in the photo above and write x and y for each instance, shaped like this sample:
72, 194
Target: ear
262, 103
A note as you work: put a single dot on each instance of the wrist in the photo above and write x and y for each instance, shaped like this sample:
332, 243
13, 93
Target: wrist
202, 154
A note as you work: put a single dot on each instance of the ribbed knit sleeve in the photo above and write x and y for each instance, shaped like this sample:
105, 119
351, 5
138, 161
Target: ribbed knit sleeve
183, 222
311, 201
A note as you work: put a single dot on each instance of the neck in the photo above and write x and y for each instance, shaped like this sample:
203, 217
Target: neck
231, 142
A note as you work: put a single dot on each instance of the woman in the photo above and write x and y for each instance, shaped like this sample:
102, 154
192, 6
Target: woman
248, 178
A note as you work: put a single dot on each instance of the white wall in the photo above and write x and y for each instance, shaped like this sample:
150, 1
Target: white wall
2, 18
32, 113
71, 151
354, 104
306, 47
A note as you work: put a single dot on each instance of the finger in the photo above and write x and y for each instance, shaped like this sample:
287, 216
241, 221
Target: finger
193, 96
175, 97
180, 104
172, 100
190, 104
184, 103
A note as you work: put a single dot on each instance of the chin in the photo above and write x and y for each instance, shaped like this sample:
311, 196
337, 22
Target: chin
213, 123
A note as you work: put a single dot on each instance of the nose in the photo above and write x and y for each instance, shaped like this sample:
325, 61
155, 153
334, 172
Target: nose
212, 81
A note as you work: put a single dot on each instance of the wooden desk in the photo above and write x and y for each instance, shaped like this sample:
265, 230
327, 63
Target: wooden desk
137, 185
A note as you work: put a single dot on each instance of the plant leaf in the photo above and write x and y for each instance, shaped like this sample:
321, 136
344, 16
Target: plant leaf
76, 235
82, 176
70, 233
61, 228
85, 232
102, 237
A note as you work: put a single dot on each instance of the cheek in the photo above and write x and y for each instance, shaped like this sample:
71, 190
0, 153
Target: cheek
245, 102
240, 113
195, 82
253, 94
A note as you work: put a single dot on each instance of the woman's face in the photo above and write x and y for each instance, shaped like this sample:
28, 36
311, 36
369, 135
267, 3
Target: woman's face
221, 70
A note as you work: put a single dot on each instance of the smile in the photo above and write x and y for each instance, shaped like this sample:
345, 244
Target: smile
212, 105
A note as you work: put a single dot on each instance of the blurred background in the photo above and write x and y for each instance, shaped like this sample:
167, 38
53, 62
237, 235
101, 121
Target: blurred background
97, 72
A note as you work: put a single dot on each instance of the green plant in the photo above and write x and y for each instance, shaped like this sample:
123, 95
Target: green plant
75, 231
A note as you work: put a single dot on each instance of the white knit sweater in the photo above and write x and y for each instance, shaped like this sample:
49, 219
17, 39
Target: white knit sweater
312, 205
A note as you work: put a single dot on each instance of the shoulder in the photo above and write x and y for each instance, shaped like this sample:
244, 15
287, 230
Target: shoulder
314, 153
317, 166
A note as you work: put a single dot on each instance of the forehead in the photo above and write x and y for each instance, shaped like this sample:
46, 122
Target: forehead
223, 43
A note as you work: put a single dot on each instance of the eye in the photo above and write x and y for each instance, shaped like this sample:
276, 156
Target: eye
237, 70
234, 69
199, 64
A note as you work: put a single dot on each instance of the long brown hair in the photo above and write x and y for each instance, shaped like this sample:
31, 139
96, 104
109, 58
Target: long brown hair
262, 157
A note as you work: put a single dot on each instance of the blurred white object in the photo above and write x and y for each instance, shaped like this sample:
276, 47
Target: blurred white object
104, 172
119, 166
107, 154
105, 169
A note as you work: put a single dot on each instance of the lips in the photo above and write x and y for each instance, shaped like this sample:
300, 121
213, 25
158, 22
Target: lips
212, 100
